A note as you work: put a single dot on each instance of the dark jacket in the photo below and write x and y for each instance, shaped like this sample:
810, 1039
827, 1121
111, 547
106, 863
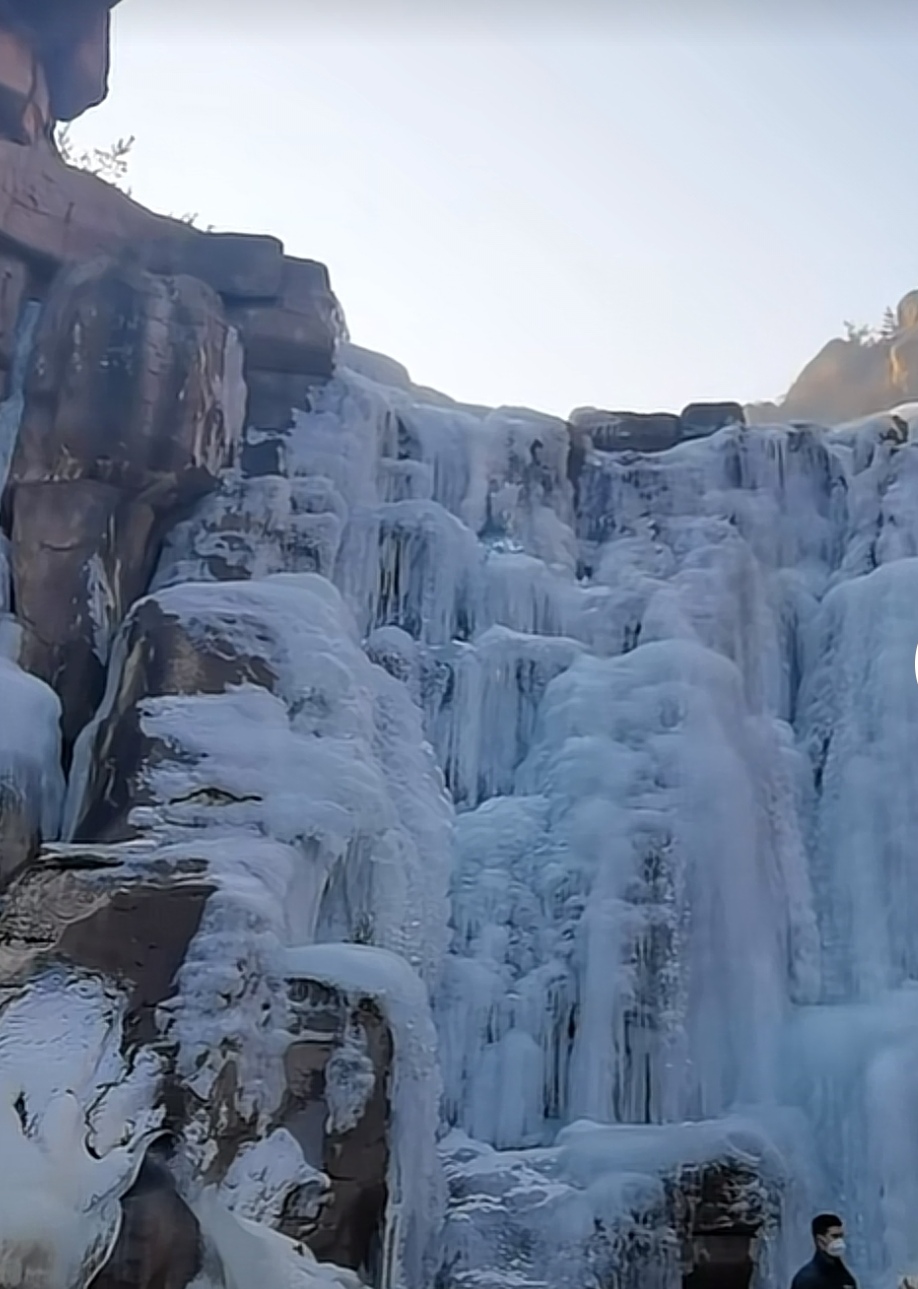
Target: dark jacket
824, 1273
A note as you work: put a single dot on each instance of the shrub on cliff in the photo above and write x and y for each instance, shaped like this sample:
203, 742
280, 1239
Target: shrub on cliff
110, 164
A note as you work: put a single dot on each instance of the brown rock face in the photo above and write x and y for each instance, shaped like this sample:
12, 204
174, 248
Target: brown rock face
81, 555
136, 919
160, 659
857, 377
239, 266
354, 1156
69, 39
845, 380
159, 1246
132, 408
903, 366
52, 215
25, 104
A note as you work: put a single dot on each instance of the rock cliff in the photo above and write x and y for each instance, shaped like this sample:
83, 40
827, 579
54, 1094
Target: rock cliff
404, 807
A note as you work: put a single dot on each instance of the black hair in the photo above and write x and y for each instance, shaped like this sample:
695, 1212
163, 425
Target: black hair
824, 1222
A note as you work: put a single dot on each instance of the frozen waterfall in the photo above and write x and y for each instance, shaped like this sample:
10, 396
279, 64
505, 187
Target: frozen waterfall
674, 702
602, 764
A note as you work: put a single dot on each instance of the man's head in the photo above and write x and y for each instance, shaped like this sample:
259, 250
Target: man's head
829, 1234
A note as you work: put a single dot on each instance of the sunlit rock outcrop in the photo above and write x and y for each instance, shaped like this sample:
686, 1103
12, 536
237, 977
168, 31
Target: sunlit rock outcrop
864, 374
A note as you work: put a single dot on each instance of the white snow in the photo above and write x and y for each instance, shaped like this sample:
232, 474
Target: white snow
349, 1081
252, 1255
59, 1209
262, 1175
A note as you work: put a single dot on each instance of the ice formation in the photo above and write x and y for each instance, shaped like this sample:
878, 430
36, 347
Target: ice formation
663, 914
672, 698
665, 879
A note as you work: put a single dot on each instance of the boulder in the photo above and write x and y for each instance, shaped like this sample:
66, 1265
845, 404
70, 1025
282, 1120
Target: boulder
159, 656
628, 431
133, 407
82, 553
700, 419
131, 383
71, 40
903, 367
292, 342
239, 266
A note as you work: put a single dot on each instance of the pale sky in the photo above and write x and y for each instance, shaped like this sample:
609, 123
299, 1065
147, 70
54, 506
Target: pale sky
618, 207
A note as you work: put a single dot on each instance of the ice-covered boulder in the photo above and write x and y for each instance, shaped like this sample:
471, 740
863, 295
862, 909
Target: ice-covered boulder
251, 708
637, 1205
277, 1071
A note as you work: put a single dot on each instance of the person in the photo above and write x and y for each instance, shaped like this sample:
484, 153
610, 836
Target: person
827, 1269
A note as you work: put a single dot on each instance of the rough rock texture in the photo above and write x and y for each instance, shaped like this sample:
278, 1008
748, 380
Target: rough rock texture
160, 657
603, 431
699, 419
628, 431
133, 407
159, 1245
845, 380
13, 283
853, 378
140, 923
327, 1033
25, 102
129, 347
52, 215
71, 41
293, 1065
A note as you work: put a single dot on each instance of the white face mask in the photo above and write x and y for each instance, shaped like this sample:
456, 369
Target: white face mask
835, 1248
